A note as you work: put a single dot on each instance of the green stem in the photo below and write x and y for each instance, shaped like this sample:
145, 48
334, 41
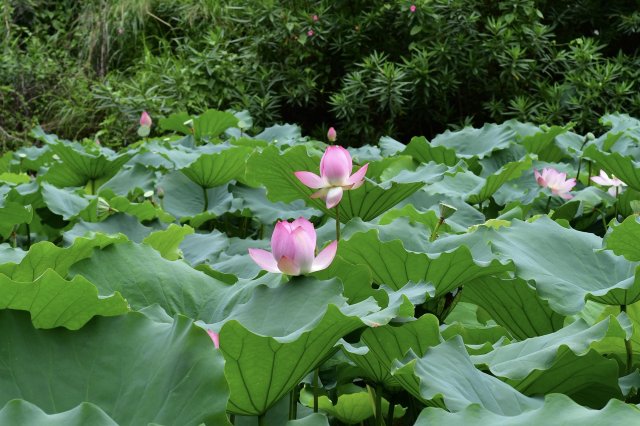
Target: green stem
206, 199
261, 420
434, 233
589, 178
316, 373
548, 203
338, 222
28, 236
293, 404
92, 186
14, 235
627, 345
232, 419
390, 411
379, 417
615, 206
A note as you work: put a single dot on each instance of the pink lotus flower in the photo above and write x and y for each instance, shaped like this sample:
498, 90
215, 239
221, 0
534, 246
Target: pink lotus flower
145, 119
215, 337
614, 183
310, 33
332, 135
293, 247
315, 18
412, 8
557, 182
335, 167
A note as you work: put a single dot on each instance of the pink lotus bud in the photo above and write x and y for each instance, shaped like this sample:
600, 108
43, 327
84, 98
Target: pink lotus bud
315, 18
335, 167
293, 247
332, 135
145, 119
310, 33
412, 8
557, 182
215, 337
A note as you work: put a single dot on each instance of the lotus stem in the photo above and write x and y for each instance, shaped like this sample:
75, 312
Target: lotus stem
584, 142
338, 222
28, 236
293, 404
589, 178
615, 205
261, 420
379, 417
434, 233
316, 373
390, 411
14, 235
92, 186
232, 419
627, 345
548, 204
206, 199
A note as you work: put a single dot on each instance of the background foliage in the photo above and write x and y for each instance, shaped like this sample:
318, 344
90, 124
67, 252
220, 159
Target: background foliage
367, 67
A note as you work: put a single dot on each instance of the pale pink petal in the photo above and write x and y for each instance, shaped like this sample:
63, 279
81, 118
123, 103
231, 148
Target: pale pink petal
303, 223
288, 266
568, 184
264, 259
310, 179
281, 244
601, 181
321, 194
325, 257
333, 197
215, 337
612, 191
305, 247
357, 179
566, 195
538, 177
336, 165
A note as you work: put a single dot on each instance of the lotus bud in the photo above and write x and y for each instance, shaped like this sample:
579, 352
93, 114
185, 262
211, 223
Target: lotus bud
145, 119
332, 135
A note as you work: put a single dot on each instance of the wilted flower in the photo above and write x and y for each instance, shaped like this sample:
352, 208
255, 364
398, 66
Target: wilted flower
412, 8
613, 182
215, 337
332, 135
293, 247
335, 168
557, 182
145, 119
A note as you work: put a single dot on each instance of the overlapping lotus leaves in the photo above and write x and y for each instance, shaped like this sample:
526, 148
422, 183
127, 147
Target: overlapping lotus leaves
315, 419
64, 202
567, 266
130, 179
486, 140
624, 239
185, 199
11, 214
267, 212
447, 372
391, 264
167, 242
210, 123
513, 304
53, 301
173, 285
421, 150
118, 223
21, 412
543, 144
211, 170
275, 171
79, 165
136, 370
623, 167
280, 334
379, 347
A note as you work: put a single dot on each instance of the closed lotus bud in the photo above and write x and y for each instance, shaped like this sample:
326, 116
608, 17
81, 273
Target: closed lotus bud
590, 136
145, 119
332, 135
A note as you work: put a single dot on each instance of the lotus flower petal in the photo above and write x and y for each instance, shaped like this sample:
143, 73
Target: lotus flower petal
333, 197
357, 179
311, 180
325, 257
336, 165
264, 259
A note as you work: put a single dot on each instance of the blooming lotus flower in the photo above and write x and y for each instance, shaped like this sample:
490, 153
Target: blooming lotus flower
145, 119
613, 182
332, 135
293, 247
412, 8
557, 182
335, 168
215, 337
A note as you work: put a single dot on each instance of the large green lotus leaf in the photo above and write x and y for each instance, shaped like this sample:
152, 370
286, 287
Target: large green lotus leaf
21, 412
45, 255
12, 214
212, 123
184, 199
558, 409
493, 182
519, 359
275, 171
118, 223
145, 211
10, 254
281, 135
216, 169
513, 304
55, 302
446, 372
590, 379
176, 122
479, 339
79, 165
14, 178
271, 342
130, 179
380, 346
542, 143
623, 167
624, 239
267, 212
567, 266
470, 142
315, 419
173, 285
356, 279
63, 202
394, 266
623, 137
421, 150
136, 370
167, 241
